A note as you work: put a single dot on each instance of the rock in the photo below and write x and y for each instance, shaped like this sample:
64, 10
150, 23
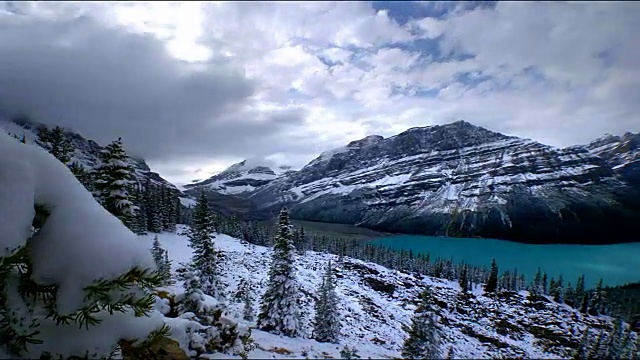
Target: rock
164, 349
380, 285
281, 351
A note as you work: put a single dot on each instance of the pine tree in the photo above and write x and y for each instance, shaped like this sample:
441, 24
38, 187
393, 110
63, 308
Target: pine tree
205, 259
162, 261
579, 293
247, 300
424, 338
48, 317
558, 296
620, 344
598, 298
141, 214
492, 281
56, 143
327, 322
165, 268
349, 353
114, 178
451, 354
535, 289
279, 312
553, 287
583, 348
82, 174
514, 280
463, 279
596, 351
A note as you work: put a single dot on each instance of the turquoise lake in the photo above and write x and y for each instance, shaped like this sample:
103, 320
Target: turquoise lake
615, 264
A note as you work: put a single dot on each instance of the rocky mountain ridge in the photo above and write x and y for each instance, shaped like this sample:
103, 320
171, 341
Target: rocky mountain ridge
243, 177
86, 150
463, 180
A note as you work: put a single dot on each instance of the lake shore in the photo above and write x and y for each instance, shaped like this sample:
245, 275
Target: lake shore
340, 230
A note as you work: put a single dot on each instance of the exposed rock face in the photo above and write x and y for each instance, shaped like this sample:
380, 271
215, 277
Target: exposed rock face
243, 177
622, 153
463, 180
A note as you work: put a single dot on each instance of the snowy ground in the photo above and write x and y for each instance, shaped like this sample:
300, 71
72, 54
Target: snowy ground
372, 319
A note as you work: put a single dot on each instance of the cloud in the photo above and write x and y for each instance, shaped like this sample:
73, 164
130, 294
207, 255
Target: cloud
106, 82
204, 85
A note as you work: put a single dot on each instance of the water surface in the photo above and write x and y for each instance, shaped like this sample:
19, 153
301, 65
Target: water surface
615, 264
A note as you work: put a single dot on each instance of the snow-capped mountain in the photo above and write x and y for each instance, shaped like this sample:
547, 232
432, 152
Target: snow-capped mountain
464, 180
242, 177
621, 152
376, 303
86, 150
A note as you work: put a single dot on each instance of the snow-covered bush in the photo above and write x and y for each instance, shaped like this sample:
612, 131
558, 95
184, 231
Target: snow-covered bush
205, 329
81, 282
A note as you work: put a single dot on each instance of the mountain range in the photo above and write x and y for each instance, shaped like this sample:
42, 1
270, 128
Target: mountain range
458, 179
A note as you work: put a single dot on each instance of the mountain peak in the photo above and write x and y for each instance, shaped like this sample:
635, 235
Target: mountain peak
256, 165
242, 177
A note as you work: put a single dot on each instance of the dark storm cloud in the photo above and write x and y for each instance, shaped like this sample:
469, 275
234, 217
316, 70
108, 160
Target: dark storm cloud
107, 82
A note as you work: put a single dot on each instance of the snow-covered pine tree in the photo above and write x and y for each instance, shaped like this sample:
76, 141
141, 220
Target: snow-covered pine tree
558, 294
622, 341
56, 143
535, 288
165, 268
150, 205
492, 282
247, 300
213, 331
168, 209
141, 214
81, 281
114, 178
463, 279
514, 281
205, 259
584, 346
598, 299
424, 335
553, 287
598, 350
82, 174
327, 321
349, 353
579, 293
160, 257
451, 354
279, 312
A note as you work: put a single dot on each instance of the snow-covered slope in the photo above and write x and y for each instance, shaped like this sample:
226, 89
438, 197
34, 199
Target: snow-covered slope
242, 177
622, 153
86, 150
376, 302
463, 180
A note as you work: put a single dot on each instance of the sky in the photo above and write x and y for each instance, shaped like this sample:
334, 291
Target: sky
195, 87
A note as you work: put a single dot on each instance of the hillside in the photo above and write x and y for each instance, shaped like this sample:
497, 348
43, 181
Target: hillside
376, 302
86, 150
